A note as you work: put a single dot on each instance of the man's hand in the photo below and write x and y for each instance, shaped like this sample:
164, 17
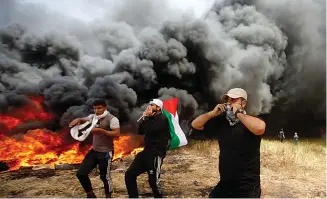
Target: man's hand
236, 111
75, 122
148, 111
219, 109
97, 130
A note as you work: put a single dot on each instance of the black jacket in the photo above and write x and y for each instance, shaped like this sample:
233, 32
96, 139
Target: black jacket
156, 134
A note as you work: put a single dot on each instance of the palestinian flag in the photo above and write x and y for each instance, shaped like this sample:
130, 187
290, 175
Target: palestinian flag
178, 137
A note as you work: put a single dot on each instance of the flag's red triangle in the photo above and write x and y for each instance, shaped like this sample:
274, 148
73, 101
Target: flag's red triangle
170, 105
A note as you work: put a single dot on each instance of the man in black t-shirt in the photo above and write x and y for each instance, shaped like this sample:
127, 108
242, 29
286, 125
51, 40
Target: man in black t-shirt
239, 138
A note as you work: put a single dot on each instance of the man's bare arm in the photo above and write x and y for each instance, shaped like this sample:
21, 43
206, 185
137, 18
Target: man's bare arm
78, 121
255, 125
200, 121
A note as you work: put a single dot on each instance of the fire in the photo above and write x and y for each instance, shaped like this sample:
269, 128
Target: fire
10, 122
44, 147
126, 145
39, 147
31, 111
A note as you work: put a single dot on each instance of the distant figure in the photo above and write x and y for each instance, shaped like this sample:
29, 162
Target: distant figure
296, 138
281, 135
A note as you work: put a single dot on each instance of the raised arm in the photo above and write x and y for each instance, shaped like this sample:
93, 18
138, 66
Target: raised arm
199, 122
141, 128
153, 126
78, 121
254, 124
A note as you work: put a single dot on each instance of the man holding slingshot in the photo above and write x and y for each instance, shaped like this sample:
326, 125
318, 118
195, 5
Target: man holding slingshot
154, 126
104, 127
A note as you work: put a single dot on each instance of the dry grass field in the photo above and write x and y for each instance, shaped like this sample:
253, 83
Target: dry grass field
287, 171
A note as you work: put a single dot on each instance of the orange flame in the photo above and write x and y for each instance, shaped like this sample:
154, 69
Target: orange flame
44, 147
32, 111
38, 147
126, 145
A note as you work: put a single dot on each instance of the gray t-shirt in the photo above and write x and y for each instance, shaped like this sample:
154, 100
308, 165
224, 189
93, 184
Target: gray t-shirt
101, 142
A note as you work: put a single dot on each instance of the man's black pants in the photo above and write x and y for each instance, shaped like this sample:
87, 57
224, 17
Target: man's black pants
91, 160
226, 191
144, 162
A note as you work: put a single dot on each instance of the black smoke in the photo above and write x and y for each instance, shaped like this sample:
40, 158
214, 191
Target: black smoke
273, 49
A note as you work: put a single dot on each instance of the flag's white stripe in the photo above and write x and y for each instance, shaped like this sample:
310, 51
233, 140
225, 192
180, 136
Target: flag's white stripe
178, 130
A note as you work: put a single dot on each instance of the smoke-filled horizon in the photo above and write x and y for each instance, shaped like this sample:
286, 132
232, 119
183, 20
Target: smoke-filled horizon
275, 50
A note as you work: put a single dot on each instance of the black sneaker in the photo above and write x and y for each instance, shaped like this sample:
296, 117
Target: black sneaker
90, 195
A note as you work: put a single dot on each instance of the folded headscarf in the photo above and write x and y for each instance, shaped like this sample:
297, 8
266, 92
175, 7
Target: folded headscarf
86, 128
230, 116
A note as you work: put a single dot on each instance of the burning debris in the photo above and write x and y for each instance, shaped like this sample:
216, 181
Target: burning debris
46, 148
51, 149
43, 147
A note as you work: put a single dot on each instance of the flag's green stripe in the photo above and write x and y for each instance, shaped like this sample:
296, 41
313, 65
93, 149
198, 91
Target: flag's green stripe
174, 138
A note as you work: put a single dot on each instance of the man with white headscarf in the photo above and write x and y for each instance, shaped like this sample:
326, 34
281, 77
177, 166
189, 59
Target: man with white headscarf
155, 128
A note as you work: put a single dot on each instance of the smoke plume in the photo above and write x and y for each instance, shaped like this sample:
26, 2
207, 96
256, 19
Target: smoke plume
141, 50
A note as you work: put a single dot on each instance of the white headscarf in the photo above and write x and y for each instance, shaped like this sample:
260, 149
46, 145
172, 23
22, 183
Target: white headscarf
75, 130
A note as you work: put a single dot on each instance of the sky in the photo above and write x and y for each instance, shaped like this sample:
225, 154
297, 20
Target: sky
89, 10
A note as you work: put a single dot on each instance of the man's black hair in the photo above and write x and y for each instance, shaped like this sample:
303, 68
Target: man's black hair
99, 102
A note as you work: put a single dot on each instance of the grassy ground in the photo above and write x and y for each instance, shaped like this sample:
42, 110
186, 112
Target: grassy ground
287, 171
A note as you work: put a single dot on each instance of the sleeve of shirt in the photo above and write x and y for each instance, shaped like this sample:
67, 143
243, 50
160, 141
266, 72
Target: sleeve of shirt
157, 125
114, 123
153, 125
141, 128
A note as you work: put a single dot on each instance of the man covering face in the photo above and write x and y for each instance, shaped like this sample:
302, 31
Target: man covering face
153, 108
239, 138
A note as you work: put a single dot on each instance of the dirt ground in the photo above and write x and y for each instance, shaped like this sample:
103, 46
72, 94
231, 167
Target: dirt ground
184, 174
